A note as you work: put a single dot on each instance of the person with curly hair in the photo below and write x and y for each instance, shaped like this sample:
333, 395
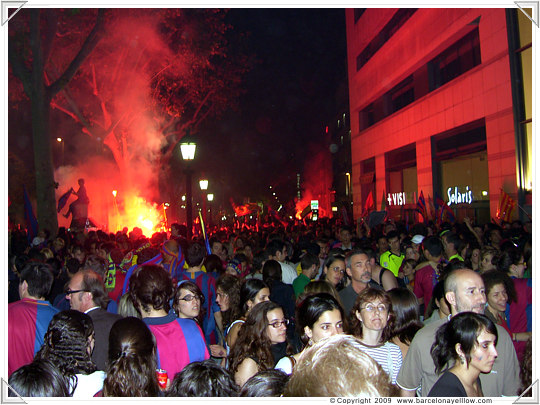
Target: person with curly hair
319, 372
252, 292
228, 299
372, 324
68, 345
259, 344
131, 370
179, 341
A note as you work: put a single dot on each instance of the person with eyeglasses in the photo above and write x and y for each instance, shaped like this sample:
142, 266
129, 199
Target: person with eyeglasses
86, 293
260, 342
372, 325
334, 269
188, 301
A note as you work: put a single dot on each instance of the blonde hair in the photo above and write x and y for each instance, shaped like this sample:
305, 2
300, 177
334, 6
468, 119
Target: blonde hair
337, 367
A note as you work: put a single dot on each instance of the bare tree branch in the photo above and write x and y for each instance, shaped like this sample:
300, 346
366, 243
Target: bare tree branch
87, 47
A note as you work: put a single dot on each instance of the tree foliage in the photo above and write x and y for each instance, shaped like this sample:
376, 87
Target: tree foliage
154, 75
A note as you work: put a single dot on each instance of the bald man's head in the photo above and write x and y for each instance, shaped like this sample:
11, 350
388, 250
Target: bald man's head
464, 290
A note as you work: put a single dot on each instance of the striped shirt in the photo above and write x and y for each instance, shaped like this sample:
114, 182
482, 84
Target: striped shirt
388, 356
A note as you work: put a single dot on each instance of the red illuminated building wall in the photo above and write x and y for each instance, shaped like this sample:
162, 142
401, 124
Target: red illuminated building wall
435, 108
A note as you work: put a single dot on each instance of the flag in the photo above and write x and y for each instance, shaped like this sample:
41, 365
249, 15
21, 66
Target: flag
241, 210
205, 235
446, 213
506, 207
421, 206
30, 218
383, 201
63, 200
368, 205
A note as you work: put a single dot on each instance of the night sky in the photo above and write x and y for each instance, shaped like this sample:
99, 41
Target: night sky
291, 97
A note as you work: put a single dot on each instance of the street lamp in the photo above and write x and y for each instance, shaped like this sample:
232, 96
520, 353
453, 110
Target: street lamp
188, 154
61, 142
204, 186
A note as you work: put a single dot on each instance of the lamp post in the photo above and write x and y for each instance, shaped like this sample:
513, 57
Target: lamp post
188, 154
210, 198
204, 186
61, 142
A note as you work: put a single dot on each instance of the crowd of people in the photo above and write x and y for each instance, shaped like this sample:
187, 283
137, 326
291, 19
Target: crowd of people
307, 309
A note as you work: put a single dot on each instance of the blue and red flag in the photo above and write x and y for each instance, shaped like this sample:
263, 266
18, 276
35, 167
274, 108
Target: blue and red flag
421, 206
30, 218
446, 212
63, 200
205, 235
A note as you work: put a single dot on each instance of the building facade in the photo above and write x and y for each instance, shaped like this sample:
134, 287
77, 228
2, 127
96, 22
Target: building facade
440, 104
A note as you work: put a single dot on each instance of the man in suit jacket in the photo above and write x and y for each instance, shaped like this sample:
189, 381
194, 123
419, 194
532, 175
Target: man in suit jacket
86, 293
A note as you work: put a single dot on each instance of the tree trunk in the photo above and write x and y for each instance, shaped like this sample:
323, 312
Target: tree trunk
45, 184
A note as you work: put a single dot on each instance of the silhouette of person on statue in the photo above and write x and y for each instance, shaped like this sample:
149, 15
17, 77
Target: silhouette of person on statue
79, 208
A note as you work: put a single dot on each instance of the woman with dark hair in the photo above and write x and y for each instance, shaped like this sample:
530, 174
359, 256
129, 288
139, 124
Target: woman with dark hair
468, 341
68, 345
252, 292
519, 314
203, 379
258, 346
188, 301
318, 316
372, 324
131, 370
267, 383
406, 318
151, 289
499, 293
228, 299
38, 379
334, 269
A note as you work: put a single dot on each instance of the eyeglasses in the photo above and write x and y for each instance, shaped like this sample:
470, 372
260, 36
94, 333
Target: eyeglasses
338, 270
68, 292
371, 308
277, 324
190, 298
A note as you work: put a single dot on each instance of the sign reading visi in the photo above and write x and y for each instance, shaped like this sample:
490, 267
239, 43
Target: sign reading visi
455, 197
396, 199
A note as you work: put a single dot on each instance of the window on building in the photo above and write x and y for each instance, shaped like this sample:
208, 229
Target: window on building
395, 23
460, 57
402, 94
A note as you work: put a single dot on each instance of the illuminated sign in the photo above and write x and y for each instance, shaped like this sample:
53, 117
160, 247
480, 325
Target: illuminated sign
455, 197
396, 199
314, 205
